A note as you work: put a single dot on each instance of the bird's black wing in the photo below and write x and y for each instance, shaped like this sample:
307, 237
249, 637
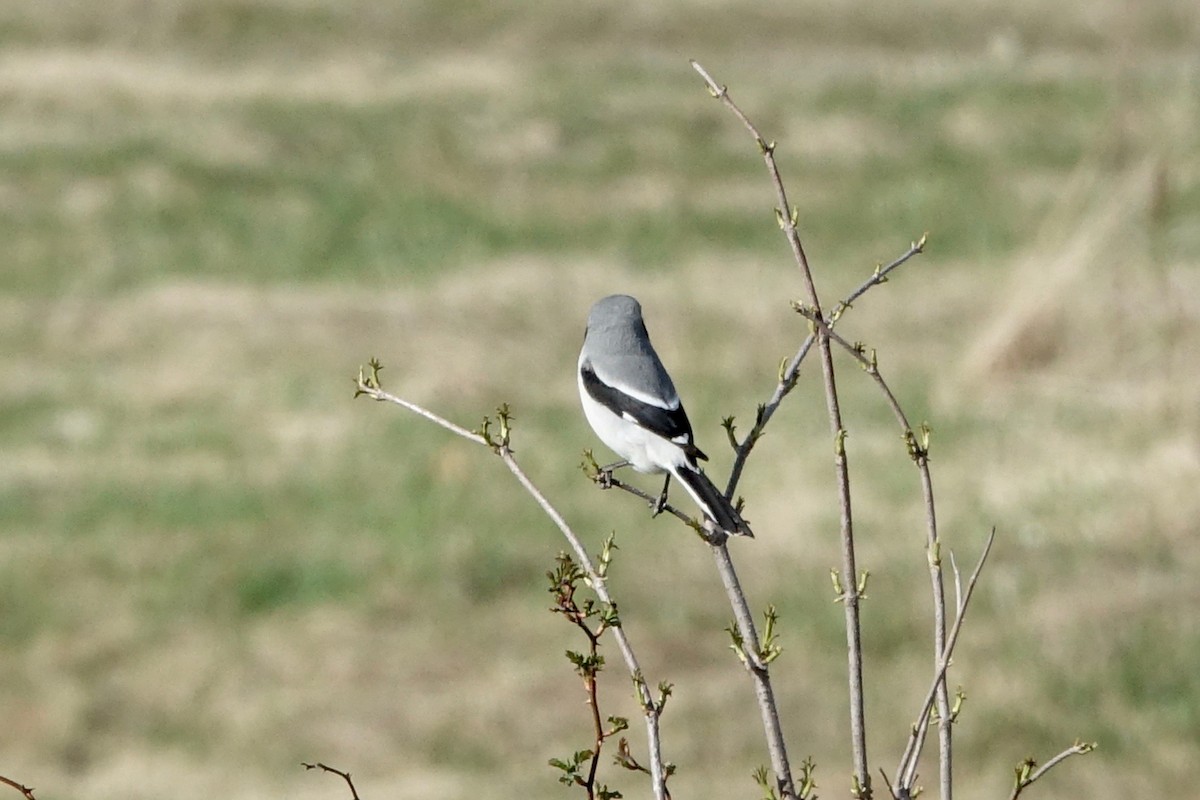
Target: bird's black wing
671, 424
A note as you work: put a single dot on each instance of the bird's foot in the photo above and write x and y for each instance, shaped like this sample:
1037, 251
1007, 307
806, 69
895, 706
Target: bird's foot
660, 504
604, 475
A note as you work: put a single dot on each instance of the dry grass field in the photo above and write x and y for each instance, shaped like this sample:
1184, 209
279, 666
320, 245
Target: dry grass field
215, 563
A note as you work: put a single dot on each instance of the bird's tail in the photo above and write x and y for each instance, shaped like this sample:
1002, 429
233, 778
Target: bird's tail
714, 504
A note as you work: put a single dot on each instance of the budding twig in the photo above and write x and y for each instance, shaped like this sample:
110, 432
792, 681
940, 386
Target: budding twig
368, 385
786, 216
918, 450
1027, 771
906, 771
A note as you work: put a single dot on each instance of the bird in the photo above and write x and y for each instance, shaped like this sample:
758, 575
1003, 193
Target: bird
631, 404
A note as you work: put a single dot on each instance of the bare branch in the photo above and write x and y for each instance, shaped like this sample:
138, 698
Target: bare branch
906, 770
879, 276
344, 776
888, 784
790, 370
786, 217
918, 450
612, 482
27, 791
368, 385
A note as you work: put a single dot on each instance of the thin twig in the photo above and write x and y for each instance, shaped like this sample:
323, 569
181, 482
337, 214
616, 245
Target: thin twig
744, 619
919, 452
787, 222
879, 276
888, 784
908, 761
791, 369
369, 386
591, 686
344, 775
25, 790
652, 500
1027, 775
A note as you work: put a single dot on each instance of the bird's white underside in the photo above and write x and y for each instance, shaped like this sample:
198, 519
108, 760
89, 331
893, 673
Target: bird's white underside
645, 451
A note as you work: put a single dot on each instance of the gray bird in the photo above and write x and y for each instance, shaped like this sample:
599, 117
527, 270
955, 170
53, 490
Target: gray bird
631, 404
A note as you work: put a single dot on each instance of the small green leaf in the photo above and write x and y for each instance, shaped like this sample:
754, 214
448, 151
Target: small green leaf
808, 781
838, 589
959, 698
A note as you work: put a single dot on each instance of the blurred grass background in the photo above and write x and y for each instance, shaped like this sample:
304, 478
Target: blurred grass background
215, 564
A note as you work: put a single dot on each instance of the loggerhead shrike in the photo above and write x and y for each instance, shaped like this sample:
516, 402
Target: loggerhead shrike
632, 406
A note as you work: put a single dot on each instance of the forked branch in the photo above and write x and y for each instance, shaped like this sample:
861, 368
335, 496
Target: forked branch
749, 646
906, 770
789, 370
786, 216
918, 451
368, 385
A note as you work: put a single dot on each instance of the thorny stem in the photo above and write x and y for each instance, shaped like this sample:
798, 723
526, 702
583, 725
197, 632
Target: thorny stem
369, 386
343, 775
850, 600
645, 699
27, 791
